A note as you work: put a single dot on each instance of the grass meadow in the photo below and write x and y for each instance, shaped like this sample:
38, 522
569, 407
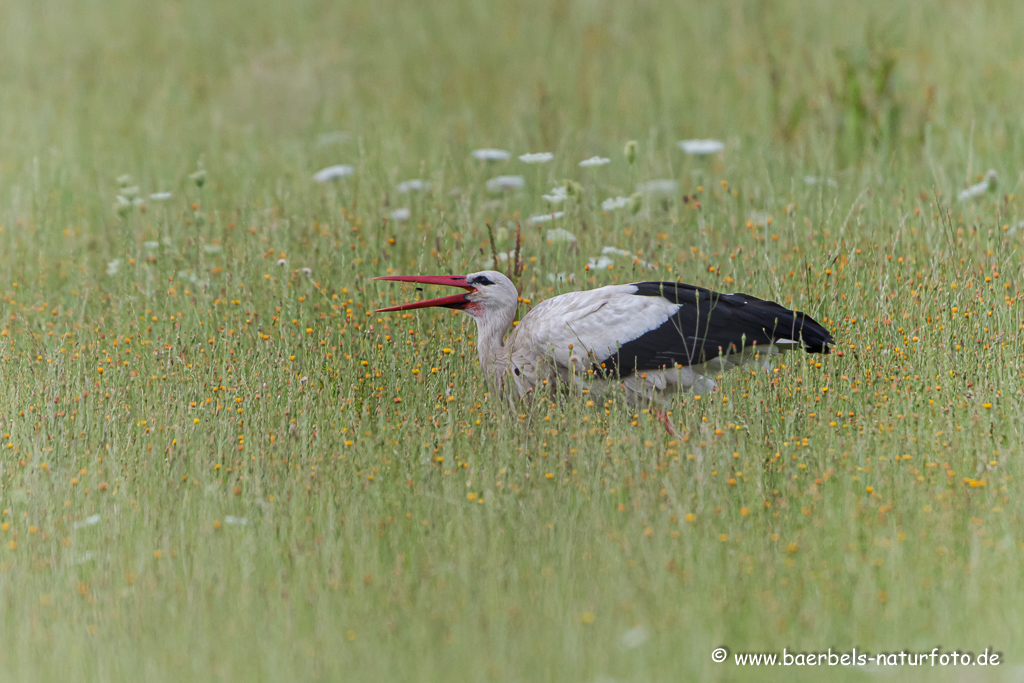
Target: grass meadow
220, 464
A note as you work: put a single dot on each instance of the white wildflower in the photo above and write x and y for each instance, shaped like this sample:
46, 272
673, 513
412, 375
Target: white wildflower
561, 277
160, 196
559, 235
87, 556
308, 272
605, 259
658, 186
760, 219
88, 521
401, 214
701, 147
536, 158
415, 185
491, 154
505, 182
634, 637
503, 257
986, 185
124, 180
614, 203
815, 180
237, 521
594, 161
114, 266
330, 173
282, 262
557, 195
191, 277
545, 217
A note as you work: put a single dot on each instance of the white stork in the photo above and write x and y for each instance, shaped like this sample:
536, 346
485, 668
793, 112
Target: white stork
648, 337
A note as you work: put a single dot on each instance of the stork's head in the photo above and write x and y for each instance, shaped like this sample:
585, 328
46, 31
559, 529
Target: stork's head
489, 293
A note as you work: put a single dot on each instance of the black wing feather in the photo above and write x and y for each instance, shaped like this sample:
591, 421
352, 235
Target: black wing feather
710, 324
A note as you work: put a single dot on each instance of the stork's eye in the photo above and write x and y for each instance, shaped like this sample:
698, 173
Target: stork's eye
480, 280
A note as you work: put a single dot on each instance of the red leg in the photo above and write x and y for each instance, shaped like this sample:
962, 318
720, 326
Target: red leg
662, 417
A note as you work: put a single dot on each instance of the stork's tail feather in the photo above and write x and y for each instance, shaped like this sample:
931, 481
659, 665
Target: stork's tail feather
815, 338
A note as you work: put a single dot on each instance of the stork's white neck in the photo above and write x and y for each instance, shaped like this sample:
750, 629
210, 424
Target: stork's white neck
493, 304
491, 328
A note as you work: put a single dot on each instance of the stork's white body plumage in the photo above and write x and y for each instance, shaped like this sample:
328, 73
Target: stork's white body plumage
648, 338
565, 337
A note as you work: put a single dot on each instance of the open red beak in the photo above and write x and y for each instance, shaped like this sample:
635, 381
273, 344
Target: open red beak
457, 301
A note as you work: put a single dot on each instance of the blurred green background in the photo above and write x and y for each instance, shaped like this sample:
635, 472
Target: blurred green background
163, 377
149, 86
